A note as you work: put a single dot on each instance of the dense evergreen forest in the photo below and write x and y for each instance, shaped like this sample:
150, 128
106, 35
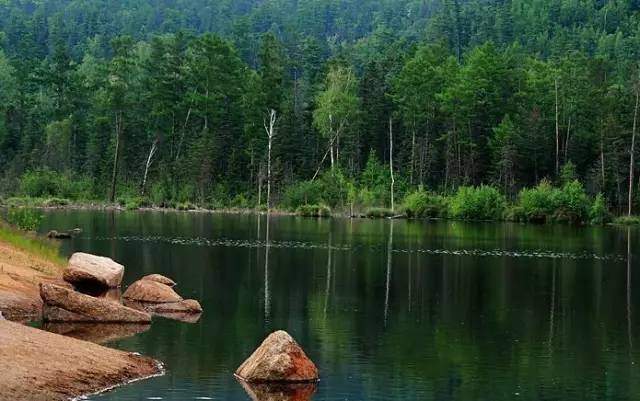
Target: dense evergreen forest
219, 102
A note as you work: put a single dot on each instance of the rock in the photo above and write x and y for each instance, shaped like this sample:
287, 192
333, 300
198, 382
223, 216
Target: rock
151, 291
278, 359
76, 231
90, 270
1, 317
64, 305
58, 235
279, 391
160, 279
184, 306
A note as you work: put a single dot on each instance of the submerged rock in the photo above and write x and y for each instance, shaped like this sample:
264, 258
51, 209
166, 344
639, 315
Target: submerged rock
278, 359
90, 270
159, 278
58, 234
64, 305
152, 292
279, 391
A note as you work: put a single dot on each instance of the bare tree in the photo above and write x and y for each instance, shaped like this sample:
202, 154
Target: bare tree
152, 153
632, 150
557, 131
116, 156
270, 128
393, 181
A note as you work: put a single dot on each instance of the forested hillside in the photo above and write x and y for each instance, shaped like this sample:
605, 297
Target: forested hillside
169, 102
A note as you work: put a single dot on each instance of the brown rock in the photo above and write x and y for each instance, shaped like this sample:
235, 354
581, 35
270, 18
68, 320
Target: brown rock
90, 270
278, 359
151, 291
160, 279
64, 305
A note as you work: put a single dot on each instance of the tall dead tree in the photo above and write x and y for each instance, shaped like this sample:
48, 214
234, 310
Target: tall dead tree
632, 150
116, 157
557, 130
270, 128
393, 181
152, 153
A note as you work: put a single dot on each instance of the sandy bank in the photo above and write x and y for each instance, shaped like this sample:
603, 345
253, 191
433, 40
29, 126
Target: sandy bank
38, 365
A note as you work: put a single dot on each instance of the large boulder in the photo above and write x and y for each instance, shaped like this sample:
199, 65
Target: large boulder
160, 279
151, 291
87, 270
278, 359
65, 305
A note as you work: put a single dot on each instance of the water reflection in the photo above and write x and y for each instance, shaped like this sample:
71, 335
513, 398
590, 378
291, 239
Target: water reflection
454, 312
99, 333
279, 391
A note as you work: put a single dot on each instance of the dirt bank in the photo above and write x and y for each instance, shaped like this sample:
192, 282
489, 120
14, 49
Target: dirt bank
20, 274
38, 365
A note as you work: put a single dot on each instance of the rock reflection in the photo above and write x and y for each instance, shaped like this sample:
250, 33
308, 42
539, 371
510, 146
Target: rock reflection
156, 310
99, 333
279, 391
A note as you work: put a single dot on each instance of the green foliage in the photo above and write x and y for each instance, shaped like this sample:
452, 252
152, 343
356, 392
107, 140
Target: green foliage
423, 204
314, 211
627, 220
599, 213
332, 188
478, 203
546, 203
537, 204
24, 218
378, 213
48, 183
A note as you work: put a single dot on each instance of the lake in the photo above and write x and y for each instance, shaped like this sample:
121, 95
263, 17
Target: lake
388, 310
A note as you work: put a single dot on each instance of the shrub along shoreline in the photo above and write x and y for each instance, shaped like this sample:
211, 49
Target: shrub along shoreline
334, 194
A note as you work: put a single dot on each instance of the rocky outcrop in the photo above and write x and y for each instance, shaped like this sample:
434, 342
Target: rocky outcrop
93, 271
159, 278
151, 292
184, 306
64, 305
278, 359
38, 365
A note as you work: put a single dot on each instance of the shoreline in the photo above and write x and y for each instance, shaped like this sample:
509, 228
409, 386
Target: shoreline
41, 365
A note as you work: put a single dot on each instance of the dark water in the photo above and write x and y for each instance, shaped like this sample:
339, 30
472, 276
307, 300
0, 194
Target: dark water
401, 310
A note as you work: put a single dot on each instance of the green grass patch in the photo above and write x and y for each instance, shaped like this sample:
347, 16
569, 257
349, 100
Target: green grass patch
31, 244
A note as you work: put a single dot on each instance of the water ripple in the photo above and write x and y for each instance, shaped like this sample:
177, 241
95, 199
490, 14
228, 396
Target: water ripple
235, 243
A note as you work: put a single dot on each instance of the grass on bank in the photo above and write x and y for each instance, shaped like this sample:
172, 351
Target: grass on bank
30, 243
627, 220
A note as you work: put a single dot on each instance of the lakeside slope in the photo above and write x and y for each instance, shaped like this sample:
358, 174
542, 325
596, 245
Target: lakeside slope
38, 365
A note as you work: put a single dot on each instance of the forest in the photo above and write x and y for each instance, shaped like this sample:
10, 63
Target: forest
475, 109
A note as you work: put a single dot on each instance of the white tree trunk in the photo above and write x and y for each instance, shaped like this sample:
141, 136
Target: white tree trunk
152, 152
270, 128
632, 151
393, 182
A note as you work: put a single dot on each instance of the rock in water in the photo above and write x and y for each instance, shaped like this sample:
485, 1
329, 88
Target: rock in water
278, 359
58, 235
90, 270
160, 279
151, 291
65, 305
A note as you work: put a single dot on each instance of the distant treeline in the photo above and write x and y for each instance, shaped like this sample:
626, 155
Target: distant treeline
168, 102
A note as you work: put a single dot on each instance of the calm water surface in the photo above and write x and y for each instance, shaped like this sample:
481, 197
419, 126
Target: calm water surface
401, 310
